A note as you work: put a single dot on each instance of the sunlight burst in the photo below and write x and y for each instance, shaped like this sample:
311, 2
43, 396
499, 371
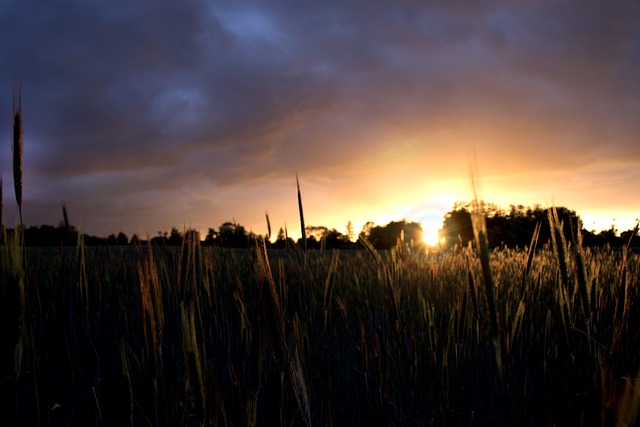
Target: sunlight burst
431, 236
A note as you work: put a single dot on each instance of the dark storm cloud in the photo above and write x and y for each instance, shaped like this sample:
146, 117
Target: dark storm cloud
136, 97
92, 72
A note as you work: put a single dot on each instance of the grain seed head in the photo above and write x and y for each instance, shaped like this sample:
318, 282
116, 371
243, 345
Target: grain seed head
16, 142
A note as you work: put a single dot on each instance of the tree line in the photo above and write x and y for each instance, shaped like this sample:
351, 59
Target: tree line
512, 228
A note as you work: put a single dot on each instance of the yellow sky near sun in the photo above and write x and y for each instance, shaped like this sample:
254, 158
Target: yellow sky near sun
388, 197
419, 180
417, 183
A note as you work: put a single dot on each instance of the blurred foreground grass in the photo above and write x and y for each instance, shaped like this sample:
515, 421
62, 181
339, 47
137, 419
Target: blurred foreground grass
208, 336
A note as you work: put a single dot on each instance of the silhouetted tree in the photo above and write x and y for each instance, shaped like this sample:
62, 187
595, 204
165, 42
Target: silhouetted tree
310, 241
386, 237
349, 233
233, 235
630, 237
413, 233
253, 238
212, 237
457, 227
122, 239
193, 235
512, 229
283, 241
88, 239
365, 233
333, 239
317, 232
175, 237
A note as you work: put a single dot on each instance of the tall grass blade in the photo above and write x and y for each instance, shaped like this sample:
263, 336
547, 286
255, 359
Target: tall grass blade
300, 387
472, 292
623, 301
532, 250
272, 310
560, 251
633, 234
17, 148
67, 227
193, 361
17, 145
328, 286
623, 305
302, 227
482, 246
559, 245
581, 272
268, 226
370, 249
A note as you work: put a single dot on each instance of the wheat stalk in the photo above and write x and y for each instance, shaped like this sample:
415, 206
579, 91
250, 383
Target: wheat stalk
304, 234
482, 246
17, 145
530, 255
268, 226
559, 245
17, 149
67, 227
582, 279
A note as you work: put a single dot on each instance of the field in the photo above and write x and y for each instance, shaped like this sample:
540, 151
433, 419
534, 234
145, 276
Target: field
210, 336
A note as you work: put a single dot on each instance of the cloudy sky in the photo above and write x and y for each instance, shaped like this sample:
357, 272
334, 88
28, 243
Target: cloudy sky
143, 115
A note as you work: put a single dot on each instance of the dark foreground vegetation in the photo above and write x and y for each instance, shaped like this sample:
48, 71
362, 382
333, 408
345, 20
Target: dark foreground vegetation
193, 335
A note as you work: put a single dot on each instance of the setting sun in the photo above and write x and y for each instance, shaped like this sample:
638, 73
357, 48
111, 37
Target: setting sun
431, 236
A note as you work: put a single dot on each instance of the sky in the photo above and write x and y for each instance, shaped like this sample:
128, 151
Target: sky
141, 116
